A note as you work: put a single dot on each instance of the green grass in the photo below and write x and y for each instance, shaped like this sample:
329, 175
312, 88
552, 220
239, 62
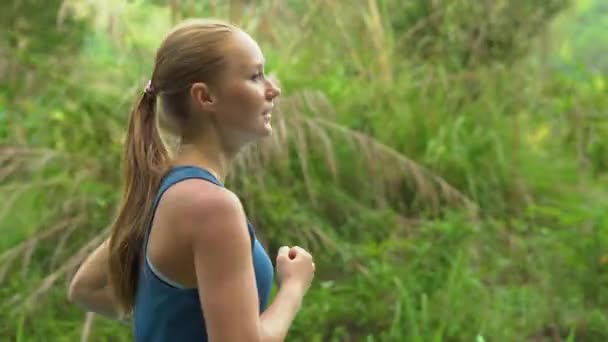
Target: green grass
448, 176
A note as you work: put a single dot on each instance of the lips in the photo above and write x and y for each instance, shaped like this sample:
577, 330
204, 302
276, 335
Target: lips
267, 112
267, 116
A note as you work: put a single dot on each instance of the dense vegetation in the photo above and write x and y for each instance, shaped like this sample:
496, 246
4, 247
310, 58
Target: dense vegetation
445, 161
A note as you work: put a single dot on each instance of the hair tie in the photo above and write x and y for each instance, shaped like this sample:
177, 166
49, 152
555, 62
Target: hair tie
149, 90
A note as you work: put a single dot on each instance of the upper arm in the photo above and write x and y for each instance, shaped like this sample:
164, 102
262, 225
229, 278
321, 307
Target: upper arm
90, 276
221, 248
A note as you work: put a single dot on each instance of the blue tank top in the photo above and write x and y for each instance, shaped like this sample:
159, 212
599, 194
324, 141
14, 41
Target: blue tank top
165, 311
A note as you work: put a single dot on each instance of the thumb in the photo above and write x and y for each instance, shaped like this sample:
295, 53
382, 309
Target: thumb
283, 252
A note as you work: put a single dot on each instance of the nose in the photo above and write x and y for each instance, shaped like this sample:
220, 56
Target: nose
272, 90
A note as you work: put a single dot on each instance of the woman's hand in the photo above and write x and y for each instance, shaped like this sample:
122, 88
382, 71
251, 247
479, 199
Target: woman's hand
295, 266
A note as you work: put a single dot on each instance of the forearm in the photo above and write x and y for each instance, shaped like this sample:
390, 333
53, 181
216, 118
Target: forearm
100, 301
277, 318
90, 287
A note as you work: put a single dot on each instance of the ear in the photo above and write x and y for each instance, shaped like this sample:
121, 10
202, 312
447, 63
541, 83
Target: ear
202, 98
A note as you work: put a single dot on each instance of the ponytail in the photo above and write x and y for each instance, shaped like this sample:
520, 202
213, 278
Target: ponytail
145, 160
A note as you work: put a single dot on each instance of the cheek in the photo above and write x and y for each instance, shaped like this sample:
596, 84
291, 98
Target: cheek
241, 105
244, 99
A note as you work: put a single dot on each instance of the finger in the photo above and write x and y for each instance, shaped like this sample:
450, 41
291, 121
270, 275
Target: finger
283, 251
295, 251
300, 253
313, 267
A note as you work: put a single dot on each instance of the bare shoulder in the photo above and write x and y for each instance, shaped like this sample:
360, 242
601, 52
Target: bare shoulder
214, 227
200, 209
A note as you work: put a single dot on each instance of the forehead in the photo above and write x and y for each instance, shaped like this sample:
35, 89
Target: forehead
243, 52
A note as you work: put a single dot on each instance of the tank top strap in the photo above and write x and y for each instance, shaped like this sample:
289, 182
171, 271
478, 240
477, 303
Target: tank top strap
176, 175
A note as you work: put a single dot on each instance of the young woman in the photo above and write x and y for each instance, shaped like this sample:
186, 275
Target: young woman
182, 258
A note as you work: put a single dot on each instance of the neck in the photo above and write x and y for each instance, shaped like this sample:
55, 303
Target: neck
206, 154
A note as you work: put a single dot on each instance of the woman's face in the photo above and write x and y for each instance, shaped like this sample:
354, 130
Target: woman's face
243, 97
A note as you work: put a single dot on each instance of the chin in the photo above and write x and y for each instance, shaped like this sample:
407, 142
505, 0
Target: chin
258, 134
258, 131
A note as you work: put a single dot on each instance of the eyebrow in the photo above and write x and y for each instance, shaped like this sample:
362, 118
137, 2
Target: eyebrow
256, 65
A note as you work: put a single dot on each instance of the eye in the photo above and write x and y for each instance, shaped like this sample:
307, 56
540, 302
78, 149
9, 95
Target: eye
257, 76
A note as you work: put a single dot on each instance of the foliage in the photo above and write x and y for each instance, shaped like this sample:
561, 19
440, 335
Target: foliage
444, 164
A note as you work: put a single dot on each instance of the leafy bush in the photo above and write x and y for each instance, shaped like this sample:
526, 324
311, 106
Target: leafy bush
447, 175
